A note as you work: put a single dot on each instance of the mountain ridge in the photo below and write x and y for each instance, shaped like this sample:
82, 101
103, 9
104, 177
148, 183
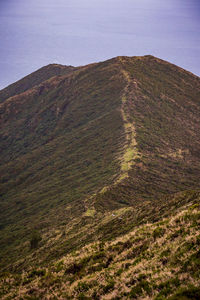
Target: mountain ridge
117, 136
36, 78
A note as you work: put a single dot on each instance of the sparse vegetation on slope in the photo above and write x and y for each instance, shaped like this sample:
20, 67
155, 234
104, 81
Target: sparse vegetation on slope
155, 261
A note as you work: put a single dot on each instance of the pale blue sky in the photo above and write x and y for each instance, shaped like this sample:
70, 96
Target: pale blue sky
34, 33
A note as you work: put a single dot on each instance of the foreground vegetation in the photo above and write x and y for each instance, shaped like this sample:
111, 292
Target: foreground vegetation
100, 169
154, 261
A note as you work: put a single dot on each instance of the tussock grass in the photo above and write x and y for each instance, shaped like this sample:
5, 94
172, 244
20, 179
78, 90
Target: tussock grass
154, 261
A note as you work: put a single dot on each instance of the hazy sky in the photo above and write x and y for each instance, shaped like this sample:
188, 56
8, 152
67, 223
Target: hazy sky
34, 33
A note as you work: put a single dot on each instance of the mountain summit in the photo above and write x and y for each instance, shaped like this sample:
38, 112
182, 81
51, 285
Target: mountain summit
80, 145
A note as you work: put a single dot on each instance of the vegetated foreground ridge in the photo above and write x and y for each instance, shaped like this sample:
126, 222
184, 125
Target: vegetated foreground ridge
88, 154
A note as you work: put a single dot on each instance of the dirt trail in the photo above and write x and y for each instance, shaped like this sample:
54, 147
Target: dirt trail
130, 151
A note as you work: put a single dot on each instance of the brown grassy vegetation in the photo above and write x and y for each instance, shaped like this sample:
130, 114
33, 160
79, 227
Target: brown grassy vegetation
154, 261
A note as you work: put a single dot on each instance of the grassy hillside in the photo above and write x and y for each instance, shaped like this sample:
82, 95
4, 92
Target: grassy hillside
158, 261
115, 138
162, 108
58, 147
34, 79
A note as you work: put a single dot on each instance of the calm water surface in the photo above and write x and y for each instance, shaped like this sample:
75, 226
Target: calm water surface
34, 33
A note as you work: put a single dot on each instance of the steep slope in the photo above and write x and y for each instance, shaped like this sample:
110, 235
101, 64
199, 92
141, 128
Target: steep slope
154, 261
58, 147
161, 113
117, 137
34, 79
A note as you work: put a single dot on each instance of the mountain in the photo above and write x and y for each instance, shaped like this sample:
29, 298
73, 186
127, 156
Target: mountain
34, 79
90, 153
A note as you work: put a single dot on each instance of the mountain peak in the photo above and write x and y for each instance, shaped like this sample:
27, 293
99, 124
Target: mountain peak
79, 143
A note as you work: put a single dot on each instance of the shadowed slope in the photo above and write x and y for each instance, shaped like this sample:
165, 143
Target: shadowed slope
34, 79
59, 146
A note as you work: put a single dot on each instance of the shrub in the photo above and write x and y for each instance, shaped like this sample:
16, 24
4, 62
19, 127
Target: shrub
82, 286
191, 293
35, 239
109, 286
34, 273
158, 232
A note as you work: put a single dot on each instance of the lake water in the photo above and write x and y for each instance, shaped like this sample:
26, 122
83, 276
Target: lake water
34, 33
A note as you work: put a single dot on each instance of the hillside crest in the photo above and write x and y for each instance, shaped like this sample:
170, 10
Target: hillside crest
79, 144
